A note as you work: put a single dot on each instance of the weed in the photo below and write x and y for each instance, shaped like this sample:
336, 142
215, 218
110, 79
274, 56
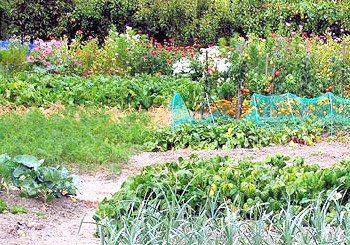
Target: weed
18, 210
3, 206
40, 215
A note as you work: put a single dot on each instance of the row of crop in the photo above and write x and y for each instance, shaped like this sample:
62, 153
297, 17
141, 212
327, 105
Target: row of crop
176, 223
301, 64
266, 185
236, 134
210, 19
143, 91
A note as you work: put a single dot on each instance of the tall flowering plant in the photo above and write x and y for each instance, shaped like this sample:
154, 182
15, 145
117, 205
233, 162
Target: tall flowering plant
121, 54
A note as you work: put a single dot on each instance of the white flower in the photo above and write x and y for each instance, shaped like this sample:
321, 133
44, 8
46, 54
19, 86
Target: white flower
182, 66
223, 65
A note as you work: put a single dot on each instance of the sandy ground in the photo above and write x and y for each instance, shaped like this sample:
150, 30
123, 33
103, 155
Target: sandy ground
59, 221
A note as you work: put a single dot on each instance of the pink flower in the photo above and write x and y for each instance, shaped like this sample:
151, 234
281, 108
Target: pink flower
79, 31
30, 59
48, 50
38, 41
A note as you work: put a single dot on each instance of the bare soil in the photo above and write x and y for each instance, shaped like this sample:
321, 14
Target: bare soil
59, 221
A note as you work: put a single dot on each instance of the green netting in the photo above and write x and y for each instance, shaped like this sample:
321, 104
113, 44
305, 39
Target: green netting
180, 114
274, 109
289, 107
179, 111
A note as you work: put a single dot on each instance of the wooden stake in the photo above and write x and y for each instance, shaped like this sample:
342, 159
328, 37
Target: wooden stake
342, 89
267, 65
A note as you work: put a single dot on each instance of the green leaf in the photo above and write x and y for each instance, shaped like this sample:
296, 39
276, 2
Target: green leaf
20, 170
28, 160
290, 190
50, 175
4, 158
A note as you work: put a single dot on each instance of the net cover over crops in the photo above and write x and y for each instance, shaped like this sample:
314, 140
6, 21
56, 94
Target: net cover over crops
275, 109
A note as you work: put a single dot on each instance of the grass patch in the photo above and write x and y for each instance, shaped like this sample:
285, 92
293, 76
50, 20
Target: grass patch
86, 137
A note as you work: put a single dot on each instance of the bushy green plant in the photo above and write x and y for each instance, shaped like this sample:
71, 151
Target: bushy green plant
48, 182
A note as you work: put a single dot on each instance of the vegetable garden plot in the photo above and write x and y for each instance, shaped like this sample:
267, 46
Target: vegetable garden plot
275, 109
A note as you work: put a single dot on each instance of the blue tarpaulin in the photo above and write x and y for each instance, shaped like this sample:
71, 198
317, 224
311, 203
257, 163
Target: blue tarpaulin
5, 44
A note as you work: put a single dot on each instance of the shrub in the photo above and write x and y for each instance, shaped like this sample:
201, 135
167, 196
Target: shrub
4, 16
96, 18
40, 18
181, 20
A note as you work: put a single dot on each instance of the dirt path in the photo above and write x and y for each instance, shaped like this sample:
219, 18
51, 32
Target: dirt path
58, 222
